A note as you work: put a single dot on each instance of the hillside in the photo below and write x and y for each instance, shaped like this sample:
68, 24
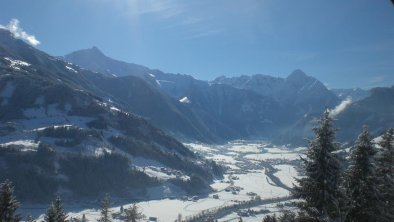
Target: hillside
74, 141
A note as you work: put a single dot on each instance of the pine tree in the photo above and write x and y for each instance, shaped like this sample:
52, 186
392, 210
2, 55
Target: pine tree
133, 214
105, 212
269, 218
361, 181
55, 212
320, 188
287, 216
84, 218
385, 173
50, 215
8, 203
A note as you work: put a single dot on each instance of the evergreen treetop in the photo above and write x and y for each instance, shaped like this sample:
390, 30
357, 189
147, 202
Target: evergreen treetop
320, 188
55, 212
8, 203
105, 212
361, 180
385, 174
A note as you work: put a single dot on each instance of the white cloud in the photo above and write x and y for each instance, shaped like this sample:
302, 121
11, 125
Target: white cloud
342, 106
17, 31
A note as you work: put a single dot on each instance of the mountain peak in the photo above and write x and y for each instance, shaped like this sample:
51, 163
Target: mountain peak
90, 52
94, 51
297, 74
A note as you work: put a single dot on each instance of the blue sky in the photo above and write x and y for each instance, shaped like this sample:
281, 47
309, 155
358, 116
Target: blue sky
344, 44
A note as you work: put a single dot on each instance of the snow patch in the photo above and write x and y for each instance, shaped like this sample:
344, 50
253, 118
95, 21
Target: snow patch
184, 100
71, 69
27, 145
16, 64
113, 108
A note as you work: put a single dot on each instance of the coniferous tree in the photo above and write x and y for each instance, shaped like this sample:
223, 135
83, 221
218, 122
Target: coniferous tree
320, 188
55, 212
133, 214
50, 215
84, 218
287, 216
385, 173
8, 203
361, 181
105, 212
269, 218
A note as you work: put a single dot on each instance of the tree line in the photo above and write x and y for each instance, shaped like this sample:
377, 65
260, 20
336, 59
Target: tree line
55, 212
330, 192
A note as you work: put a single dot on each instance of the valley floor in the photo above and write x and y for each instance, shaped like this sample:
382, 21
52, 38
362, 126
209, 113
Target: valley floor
255, 169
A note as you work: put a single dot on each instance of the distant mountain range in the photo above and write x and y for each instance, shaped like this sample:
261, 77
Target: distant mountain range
227, 108
282, 110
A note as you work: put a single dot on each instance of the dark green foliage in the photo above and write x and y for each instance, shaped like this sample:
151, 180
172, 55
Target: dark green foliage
133, 214
36, 179
361, 182
385, 173
171, 159
320, 188
50, 215
55, 212
269, 218
104, 210
93, 109
217, 169
139, 129
108, 173
8, 203
195, 185
31, 173
287, 216
71, 135
98, 123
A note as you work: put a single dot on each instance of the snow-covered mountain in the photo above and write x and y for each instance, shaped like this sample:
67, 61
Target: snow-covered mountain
257, 106
62, 128
210, 107
304, 93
